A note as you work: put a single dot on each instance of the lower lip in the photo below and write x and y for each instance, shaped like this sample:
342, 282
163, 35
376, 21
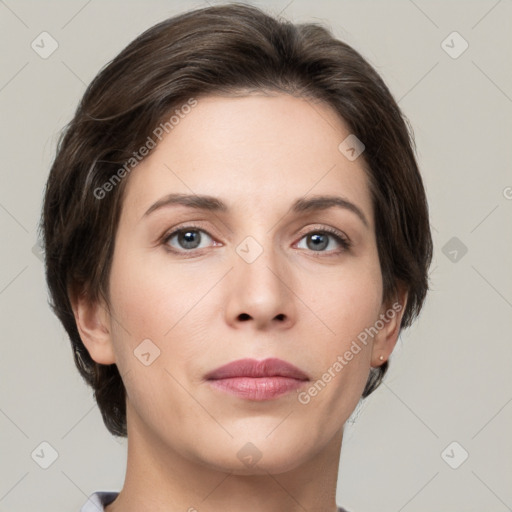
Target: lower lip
260, 388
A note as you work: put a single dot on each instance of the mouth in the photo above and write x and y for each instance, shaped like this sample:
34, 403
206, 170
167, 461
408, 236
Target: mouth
257, 380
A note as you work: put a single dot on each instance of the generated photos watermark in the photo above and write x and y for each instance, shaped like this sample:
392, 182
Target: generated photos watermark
151, 142
304, 397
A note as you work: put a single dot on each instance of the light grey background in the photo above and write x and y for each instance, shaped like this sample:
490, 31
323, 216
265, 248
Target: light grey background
450, 376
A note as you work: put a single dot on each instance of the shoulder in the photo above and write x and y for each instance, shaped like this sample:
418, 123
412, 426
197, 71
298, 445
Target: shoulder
98, 500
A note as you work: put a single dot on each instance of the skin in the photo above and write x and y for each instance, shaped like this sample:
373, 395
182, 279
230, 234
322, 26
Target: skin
258, 153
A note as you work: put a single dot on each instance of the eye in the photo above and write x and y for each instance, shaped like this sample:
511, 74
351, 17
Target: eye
187, 238
319, 240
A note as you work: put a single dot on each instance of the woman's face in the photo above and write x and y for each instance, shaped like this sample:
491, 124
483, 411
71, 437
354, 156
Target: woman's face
253, 279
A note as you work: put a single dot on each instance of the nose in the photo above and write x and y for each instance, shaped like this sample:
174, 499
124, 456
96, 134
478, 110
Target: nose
260, 291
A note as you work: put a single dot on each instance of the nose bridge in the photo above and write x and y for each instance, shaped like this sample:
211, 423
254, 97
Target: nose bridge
258, 249
258, 262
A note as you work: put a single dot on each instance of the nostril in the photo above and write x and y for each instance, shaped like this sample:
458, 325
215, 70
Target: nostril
244, 316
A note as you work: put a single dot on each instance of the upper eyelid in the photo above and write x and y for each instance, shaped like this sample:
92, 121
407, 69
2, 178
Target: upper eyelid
184, 227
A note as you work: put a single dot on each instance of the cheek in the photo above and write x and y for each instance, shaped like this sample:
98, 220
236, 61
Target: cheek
160, 303
349, 305
148, 298
149, 313
350, 299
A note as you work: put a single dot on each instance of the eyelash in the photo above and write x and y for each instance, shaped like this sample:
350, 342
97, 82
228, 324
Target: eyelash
342, 240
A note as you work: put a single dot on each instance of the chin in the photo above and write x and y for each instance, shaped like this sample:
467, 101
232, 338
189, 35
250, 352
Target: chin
260, 455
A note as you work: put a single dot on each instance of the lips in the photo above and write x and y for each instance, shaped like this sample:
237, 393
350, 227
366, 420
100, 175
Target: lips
257, 380
257, 369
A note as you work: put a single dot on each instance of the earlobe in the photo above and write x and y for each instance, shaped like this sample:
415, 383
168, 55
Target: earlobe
390, 319
93, 323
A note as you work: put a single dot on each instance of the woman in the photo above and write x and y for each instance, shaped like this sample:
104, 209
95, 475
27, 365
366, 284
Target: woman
236, 231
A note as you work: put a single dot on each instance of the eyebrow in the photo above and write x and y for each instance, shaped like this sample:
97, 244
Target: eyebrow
213, 204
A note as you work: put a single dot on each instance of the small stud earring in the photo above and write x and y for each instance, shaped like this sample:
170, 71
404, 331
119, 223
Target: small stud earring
381, 358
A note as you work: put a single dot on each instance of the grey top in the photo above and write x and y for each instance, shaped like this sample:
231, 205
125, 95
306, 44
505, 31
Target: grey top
98, 500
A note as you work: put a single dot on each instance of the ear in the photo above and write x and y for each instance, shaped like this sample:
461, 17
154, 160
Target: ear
390, 316
94, 326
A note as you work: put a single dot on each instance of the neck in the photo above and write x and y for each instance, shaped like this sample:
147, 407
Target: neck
160, 479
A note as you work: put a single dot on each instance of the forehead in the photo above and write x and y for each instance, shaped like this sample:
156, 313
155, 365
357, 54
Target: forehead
256, 151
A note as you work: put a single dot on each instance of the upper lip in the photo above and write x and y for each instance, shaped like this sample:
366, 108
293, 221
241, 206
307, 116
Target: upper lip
271, 367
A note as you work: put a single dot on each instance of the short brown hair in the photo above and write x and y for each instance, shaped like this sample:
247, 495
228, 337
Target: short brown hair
224, 49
